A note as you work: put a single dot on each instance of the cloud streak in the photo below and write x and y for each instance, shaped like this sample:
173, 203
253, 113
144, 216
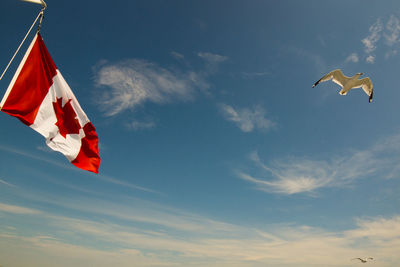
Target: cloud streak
389, 33
352, 58
373, 37
247, 119
135, 82
132, 83
300, 175
117, 244
6, 183
17, 209
212, 58
140, 125
392, 31
70, 167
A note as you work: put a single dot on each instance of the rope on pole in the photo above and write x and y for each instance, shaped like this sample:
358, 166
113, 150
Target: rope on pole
40, 15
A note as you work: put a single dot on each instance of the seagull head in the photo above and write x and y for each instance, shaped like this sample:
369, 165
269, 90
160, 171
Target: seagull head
360, 73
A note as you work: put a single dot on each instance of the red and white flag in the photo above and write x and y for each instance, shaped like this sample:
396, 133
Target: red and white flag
39, 96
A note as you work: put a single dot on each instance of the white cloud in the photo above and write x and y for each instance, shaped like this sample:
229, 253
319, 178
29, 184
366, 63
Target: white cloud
370, 59
132, 83
373, 37
392, 31
67, 241
392, 36
256, 74
177, 55
135, 82
371, 40
112, 180
352, 58
287, 185
17, 209
247, 119
292, 176
377, 228
391, 53
212, 58
6, 183
300, 175
37, 157
212, 62
70, 167
140, 125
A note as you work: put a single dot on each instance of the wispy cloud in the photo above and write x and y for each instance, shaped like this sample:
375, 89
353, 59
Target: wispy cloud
140, 125
17, 209
371, 40
84, 242
132, 83
247, 119
6, 183
352, 58
212, 58
389, 33
177, 55
392, 31
370, 59
291, 176
299, 175
112, 180
391, 53
36, 157
212, 61
256, 74
135, 82
70, 167
373, 37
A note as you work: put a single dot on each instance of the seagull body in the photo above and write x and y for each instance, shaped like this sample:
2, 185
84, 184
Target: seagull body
363, 260
348, 83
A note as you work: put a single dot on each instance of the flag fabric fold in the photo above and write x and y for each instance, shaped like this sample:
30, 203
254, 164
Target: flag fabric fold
39, 96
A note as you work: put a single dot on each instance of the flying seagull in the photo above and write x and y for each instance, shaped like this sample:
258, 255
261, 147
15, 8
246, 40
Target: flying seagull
363, 260
348, 83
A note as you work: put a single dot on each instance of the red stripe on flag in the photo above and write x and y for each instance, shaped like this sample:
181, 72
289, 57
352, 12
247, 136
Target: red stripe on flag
32, 84
88, 157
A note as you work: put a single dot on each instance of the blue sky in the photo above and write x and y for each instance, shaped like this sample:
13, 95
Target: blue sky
215, 149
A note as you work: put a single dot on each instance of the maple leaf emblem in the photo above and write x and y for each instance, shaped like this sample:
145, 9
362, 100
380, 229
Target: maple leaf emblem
67, 122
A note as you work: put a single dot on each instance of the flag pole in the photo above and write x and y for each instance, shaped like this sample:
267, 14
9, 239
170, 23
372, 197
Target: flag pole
40, 15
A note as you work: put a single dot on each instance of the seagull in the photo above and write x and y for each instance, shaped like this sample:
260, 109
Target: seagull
363, 260
348, 83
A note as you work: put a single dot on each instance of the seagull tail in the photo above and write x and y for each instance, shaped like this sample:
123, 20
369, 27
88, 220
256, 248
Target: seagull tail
370, 97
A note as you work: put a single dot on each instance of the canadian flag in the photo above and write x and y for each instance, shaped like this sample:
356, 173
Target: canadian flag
39, 96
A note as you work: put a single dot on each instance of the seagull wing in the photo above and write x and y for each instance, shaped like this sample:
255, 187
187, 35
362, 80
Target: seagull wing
40, 2
33, 1
367, 86
337, 76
